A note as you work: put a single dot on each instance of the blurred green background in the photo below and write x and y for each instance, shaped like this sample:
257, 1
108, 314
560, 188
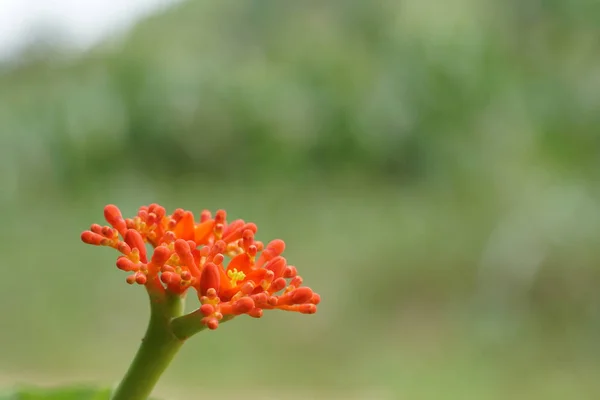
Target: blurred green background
433, 166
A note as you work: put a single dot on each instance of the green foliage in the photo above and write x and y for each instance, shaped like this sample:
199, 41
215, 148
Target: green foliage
287, 88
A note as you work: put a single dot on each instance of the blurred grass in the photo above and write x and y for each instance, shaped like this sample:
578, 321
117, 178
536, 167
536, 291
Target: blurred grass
433, 168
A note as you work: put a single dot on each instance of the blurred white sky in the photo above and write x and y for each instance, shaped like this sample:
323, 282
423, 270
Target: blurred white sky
81, 22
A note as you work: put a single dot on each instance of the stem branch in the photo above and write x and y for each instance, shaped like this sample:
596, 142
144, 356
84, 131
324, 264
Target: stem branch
186, 326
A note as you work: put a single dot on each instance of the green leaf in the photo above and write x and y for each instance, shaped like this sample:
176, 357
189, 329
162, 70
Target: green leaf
76, 392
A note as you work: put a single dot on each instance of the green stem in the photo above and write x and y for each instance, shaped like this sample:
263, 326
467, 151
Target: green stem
158, 348
187, 325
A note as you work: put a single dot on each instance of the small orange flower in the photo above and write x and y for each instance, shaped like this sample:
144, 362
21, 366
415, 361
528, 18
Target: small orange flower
191, 254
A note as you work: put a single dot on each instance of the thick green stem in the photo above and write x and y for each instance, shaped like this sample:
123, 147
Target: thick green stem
158, 348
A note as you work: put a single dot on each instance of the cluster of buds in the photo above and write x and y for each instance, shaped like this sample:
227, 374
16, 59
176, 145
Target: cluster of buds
192, 254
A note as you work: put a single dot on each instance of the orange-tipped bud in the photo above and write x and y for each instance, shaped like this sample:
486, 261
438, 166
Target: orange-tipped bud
276, 247
124, 248
169, 278
277, 265
301, 295
143, 212
182, 247
209, 278
233, 231
140, 278
220, 217
252, 251
157, 210
113, 216
90, 237
177, 214
307, 308
151, 219
243, 305
212, 324
205, 216
125, 264
135, 241
108, 232
218, 259
247, 239
260, 298
207, 309
251, 226
247, 288
161, 255
290, 272
183, 250
316, 299
273, 249
255, 313
168, 238
296, 281
269, 276
277, 285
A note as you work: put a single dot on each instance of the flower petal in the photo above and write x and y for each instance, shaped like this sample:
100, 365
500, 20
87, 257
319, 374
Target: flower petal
185, 227
203, 231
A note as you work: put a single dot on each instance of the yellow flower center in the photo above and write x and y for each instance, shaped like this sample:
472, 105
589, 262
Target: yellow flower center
235, 276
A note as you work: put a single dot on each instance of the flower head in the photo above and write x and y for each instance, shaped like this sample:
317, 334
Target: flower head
192, 254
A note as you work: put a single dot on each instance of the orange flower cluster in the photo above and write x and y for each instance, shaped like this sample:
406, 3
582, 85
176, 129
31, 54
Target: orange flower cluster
190, 254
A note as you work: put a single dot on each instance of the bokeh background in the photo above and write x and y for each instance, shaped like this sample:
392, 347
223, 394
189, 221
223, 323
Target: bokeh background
433, 167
